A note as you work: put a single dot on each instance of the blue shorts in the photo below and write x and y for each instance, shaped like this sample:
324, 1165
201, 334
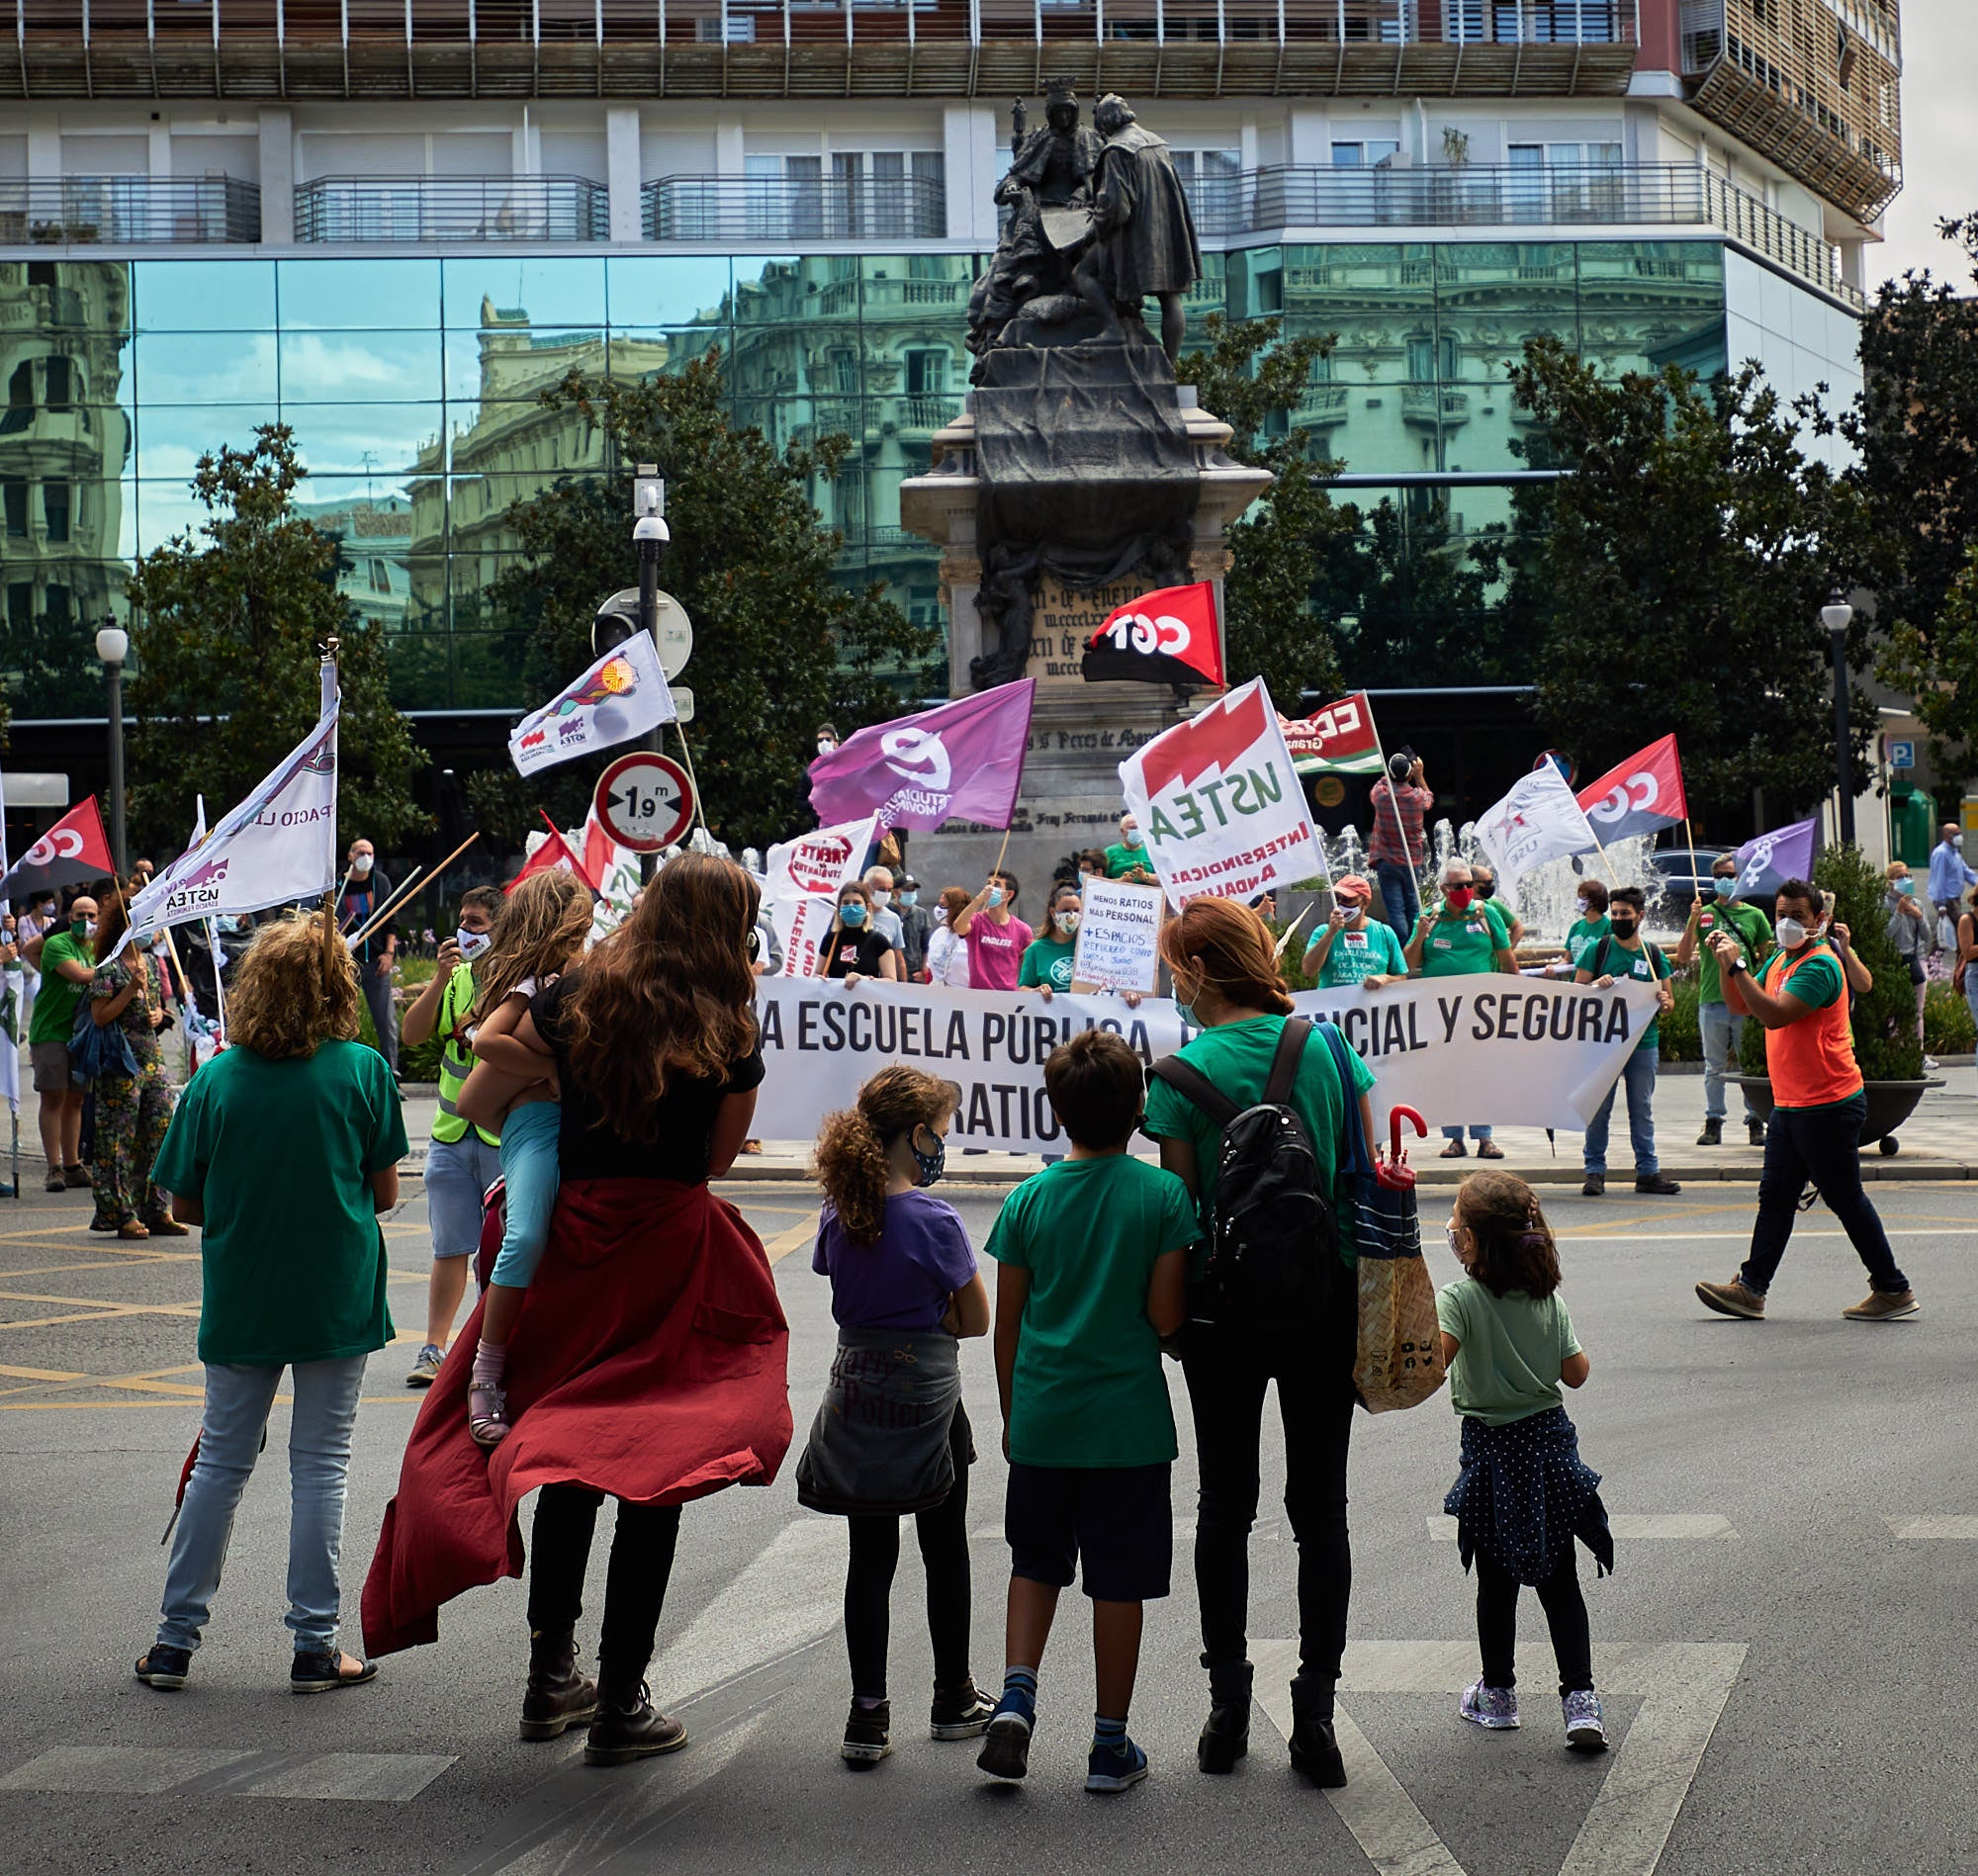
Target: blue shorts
1115, 1523
529, 1175
458, 1175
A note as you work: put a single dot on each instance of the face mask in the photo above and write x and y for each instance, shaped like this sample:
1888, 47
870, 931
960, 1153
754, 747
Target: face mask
1487, 889
1724, 885
1459, 897
825, 746
1624, 928
880, 897
995, 895
1957, 840
1454, 1250
1068, 920
928, 1166
472, 944
1131, 837
853, 915
361, 865
81, 928
1791, 933
1353, 908
1907, 887
910, 898
1587, 909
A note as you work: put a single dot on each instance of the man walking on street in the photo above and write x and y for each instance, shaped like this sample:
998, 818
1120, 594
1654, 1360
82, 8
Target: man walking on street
1723, 1029
1398, 846
1800, 1001
365, 889
1951, 874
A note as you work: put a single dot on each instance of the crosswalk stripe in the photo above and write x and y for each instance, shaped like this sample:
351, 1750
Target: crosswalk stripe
138, 1771
394, 1778
1633, 1527
1944, 1528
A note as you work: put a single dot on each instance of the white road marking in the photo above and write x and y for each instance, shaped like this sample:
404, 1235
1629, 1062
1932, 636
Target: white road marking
394, 1778
130, 1770
1630, 1527
1945, 1528
1682, 1685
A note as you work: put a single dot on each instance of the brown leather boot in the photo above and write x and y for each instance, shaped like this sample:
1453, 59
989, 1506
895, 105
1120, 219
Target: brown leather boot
557, 1696
627, 1726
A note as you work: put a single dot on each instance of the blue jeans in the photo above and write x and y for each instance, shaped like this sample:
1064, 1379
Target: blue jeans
1639, 1077
1723, 1034
237, 1401
1820, 1146
529, 1169
1475, 1133
458, 1175
1399, 896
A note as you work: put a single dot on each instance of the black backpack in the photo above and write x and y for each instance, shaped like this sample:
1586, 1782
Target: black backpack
1274, 1242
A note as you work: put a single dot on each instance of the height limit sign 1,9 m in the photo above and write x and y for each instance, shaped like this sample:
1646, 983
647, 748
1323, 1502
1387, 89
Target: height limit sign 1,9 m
644, 801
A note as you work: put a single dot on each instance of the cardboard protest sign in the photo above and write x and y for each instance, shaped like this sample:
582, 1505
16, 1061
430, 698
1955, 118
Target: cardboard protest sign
1220, 803
1118, 927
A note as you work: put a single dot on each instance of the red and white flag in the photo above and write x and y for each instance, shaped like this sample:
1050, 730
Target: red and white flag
802, 879
1169, 637
553, 854
75, 849
1638, 796
1339, 740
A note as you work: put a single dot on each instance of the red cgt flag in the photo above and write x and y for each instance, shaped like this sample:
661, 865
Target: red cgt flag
1169, 637
1638, 796
72, 851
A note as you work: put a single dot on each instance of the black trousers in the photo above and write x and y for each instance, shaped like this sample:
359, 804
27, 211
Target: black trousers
1565, 1615
1228, 1372
1823, 1146
942, 1531
635, 1584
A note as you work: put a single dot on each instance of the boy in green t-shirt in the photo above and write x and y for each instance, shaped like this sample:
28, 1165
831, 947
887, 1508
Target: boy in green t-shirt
1625, 954
1092, 1258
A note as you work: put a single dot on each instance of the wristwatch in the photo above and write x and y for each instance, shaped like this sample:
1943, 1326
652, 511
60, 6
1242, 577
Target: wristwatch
1738, 964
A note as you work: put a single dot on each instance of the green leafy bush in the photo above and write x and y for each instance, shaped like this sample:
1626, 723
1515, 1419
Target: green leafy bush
1681, 1034
1947, 1029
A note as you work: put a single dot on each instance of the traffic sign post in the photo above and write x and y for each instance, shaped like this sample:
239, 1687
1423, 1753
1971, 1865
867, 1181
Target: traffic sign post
644, 801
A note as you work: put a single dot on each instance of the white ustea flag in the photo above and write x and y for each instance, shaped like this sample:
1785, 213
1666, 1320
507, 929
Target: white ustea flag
802, 879
623, 695
277, 845
1541, 819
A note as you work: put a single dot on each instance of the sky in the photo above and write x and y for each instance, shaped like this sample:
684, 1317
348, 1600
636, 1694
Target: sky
1939, 141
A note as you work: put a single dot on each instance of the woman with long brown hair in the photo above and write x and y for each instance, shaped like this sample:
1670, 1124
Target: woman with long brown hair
652, 1366
133, 1110
1227, 985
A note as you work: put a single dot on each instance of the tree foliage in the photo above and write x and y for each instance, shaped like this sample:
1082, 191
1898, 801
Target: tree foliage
1915, 425
1674, 582
780, 645
227, 627
1254, 381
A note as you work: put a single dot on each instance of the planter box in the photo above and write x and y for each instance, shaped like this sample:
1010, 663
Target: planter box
1890, 1104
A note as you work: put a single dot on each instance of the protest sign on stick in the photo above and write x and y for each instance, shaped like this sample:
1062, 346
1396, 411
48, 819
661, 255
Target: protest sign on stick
1118, 930
802, 879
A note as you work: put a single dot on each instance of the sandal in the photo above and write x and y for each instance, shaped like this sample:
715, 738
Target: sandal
323, 1670
488, 1421
1490, 1150
1454, 1150
134, 1229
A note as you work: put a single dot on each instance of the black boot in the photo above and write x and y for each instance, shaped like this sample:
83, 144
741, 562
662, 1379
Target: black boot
1225, 1734
558, 1695
627, 1726
1712, 1135
1315, 1746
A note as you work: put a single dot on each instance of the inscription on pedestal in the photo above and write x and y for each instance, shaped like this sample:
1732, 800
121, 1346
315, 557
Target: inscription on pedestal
1061, 621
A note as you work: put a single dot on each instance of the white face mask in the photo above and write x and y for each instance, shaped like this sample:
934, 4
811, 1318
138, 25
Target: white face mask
1068, 920
825, 746
1131, 837
361, 865
1957, 840
881, 897
1791, 934
472, 944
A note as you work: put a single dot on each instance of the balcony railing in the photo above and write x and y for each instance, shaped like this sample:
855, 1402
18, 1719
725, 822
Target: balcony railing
452, 209
795, 209
143, 210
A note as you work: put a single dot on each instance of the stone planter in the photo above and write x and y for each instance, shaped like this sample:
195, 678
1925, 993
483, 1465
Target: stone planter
1890, 1104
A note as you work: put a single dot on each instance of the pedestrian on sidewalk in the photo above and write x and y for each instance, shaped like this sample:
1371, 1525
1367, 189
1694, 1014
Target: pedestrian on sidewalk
1397, 844
464, 1160
1459, 937
1722, 1028
1818, 1108
1624, 953
1950, 873
1963, 977
892, 1437
65, 956
363, 890
132, 1109
284, 1150
654, 1366
1092, 1271
1523, 1493
1913, 932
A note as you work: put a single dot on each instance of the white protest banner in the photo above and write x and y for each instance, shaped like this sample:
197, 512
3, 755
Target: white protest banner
1541, 819
803, 930
623, 695
277, 845
1221, 804
1117, 929
1461, 1050
802, 879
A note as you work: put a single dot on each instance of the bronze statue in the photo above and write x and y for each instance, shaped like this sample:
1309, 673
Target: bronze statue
1143, 236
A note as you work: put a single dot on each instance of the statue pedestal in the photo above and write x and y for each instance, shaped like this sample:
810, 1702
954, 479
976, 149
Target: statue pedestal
1079, 732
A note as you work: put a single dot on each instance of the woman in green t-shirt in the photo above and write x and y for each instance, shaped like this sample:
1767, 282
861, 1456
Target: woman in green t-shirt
284, 1149
1226, 984
1047, 964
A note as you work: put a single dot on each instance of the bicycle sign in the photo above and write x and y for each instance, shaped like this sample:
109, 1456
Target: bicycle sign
644, 801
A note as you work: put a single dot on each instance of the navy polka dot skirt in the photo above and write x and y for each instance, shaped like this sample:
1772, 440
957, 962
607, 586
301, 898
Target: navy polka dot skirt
1523, 1494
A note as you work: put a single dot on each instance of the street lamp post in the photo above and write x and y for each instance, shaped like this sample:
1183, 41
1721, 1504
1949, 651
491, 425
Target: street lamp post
113, 646
1837, 615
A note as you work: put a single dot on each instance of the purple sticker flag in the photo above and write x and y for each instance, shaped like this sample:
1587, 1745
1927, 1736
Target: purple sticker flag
1767, 862
964, 760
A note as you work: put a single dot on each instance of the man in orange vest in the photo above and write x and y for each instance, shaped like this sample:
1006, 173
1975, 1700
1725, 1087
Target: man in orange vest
1800, 999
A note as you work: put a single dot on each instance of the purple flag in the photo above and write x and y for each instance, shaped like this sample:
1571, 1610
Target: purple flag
1766, 863
962, 759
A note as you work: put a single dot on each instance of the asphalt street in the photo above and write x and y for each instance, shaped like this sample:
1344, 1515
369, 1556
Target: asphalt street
1786, 1644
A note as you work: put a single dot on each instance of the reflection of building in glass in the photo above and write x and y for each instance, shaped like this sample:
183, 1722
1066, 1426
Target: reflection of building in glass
64, 442
374, 538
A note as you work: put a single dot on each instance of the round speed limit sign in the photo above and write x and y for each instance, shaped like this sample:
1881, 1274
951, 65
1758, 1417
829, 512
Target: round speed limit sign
644, 801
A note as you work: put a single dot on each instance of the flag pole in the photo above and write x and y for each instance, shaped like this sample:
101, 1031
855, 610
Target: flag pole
699, 805
406, 891
219, 989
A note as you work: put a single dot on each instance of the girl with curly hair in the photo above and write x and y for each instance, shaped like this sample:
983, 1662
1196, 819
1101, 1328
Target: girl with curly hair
284, 1150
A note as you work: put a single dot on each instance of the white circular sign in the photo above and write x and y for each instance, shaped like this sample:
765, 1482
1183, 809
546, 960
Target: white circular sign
676, 628
644, 801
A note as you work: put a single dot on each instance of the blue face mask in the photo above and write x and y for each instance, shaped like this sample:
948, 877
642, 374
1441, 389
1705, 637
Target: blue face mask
852, 914
1724, 885
928, 1167
911, 897
995, 895
1907, 887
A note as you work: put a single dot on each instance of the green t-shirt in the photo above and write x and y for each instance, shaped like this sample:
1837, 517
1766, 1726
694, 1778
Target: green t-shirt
1048, 962
281, 1154
1236, 1057
55, 1003
1644, 966
1372, 951
1754, 932
1581, 935
1511, 1351
1457, 944
1121, 859
1088, 1388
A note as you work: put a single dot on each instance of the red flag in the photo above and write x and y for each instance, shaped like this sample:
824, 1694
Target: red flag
1167, 637
1638, 796
554, 855
72, 851
1339, 740
601, 851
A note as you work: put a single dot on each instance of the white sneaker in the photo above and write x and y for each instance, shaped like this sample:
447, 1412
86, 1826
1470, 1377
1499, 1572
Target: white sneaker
1586, 1727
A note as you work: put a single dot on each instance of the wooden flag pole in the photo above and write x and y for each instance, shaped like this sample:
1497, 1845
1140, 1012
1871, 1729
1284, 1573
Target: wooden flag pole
400, 894
404, 892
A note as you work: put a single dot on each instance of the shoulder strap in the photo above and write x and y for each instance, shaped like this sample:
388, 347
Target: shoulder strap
1599, 958
1192, 1084
1278, 1083
1353, 1156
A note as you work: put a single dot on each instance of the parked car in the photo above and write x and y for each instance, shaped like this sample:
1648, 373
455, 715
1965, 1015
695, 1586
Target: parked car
1684, 873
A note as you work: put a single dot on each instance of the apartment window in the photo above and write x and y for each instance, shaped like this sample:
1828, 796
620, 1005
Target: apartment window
889, 192
54, 510
14, 498
1213, 182
1430, 360
57, 379
844, 372
57, 609
1365, 154
20, 411
927, 374
21, 604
